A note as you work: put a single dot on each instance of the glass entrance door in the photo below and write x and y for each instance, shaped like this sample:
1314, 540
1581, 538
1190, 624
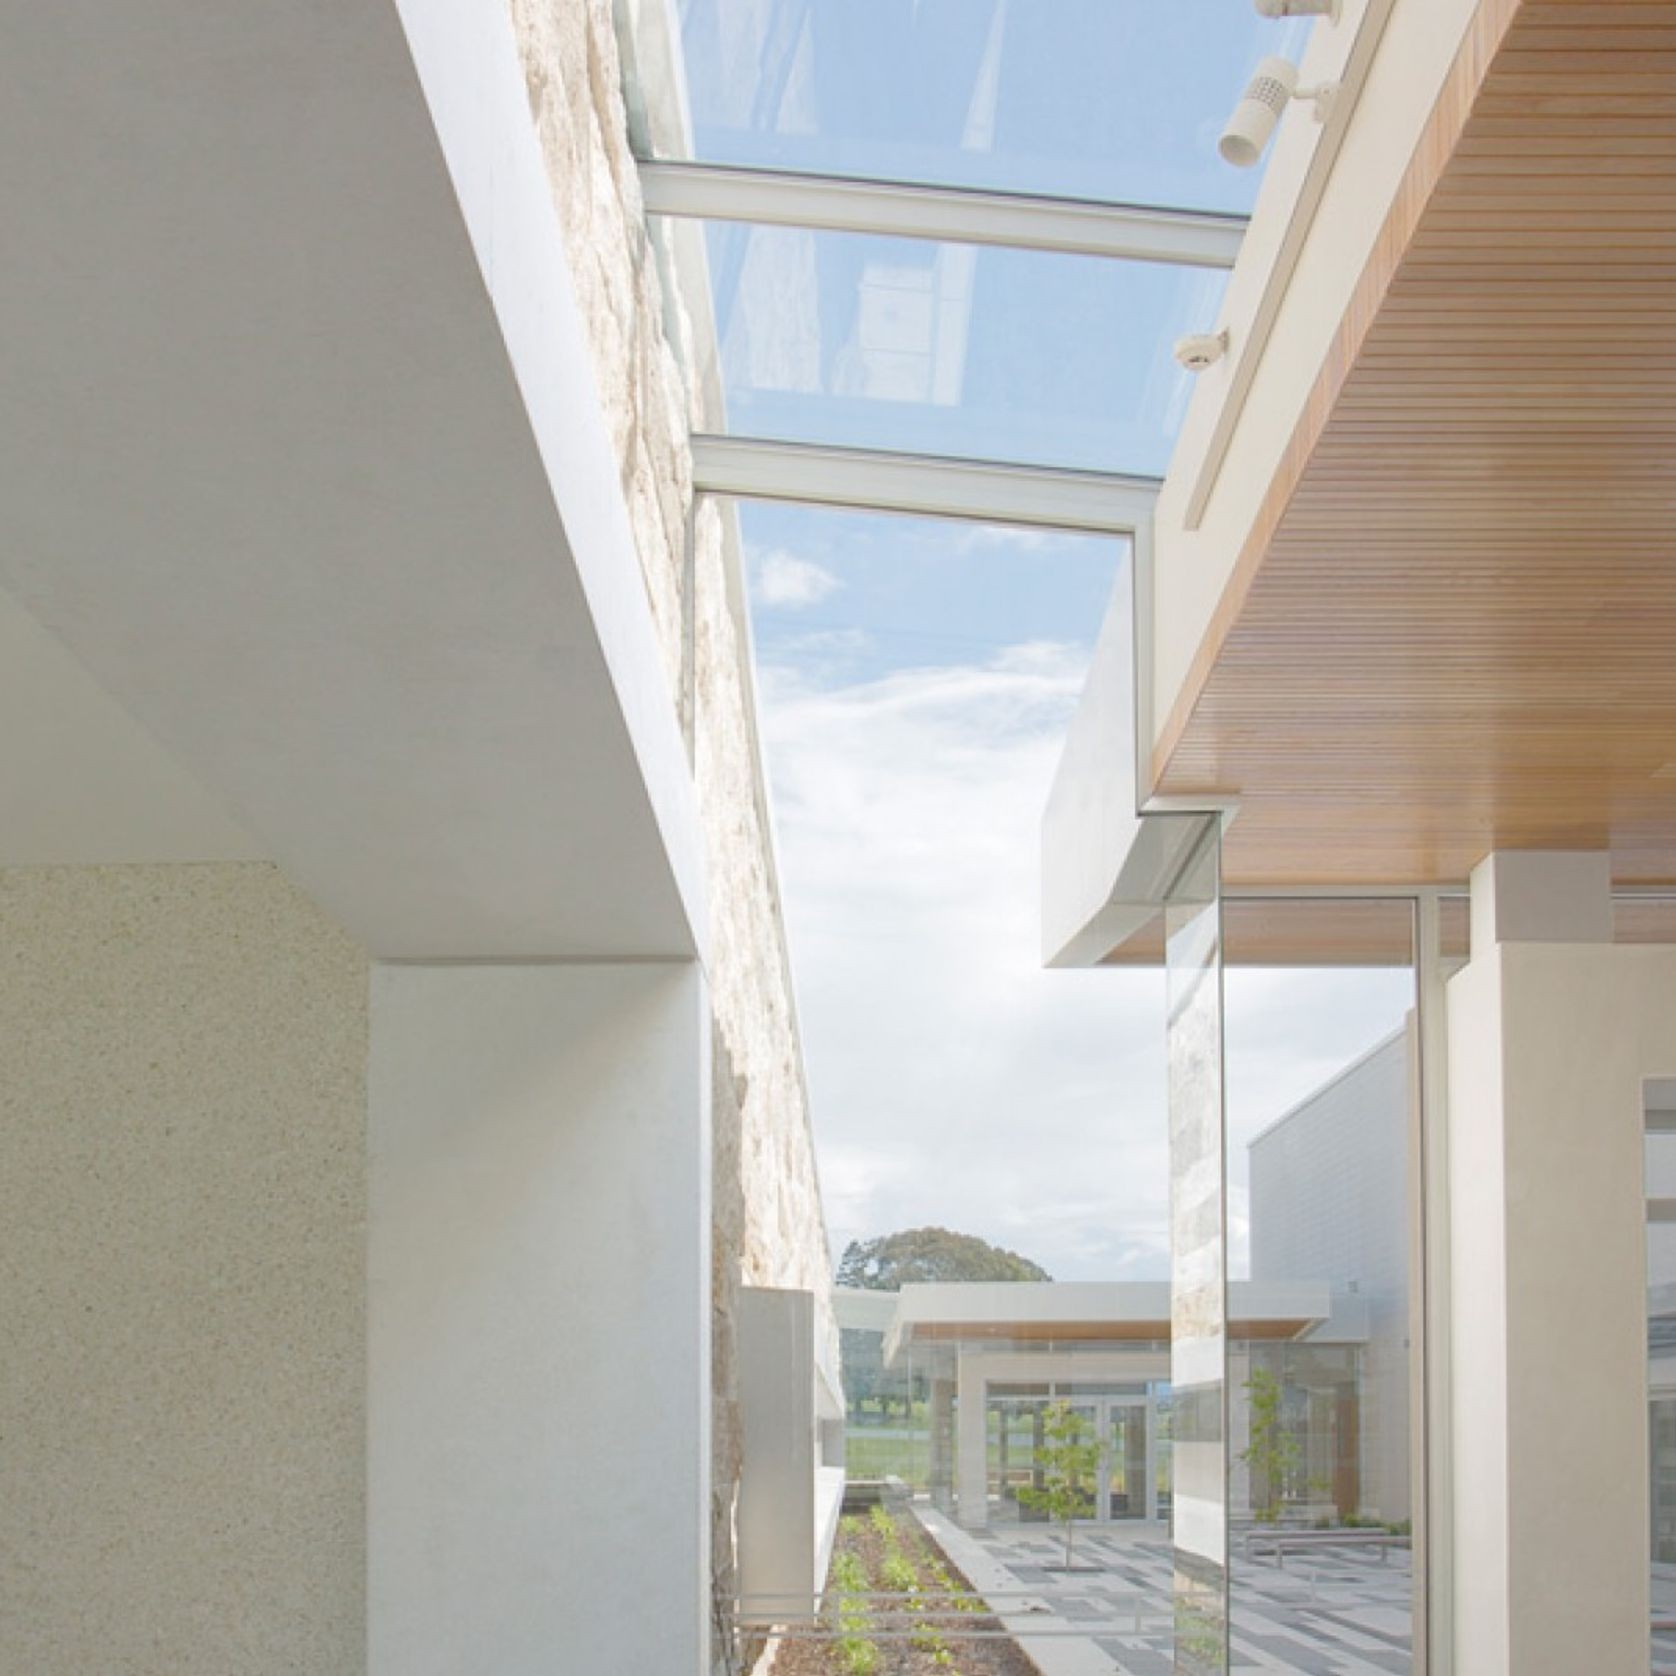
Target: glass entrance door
1126, 1461
1130, 1481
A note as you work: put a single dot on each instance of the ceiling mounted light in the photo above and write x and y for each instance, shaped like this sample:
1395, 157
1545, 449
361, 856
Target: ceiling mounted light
1273, 85
1298, 8
1199, 350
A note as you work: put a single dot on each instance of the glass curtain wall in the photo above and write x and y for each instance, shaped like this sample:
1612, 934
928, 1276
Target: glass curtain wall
927, 347
1198, 1261
1660, 1187
1322, 1114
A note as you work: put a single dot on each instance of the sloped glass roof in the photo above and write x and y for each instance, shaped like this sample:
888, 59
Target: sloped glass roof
990, 353
1119, 100
917, 674
934, 348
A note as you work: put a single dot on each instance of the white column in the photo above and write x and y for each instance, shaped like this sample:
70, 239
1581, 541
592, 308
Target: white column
942, 1444
538, 1406
1151, 1456
1239, 1429
1551, 1031
972, 1452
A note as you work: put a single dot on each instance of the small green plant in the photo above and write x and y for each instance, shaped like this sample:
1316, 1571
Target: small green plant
899, 1576
1273, 1454
1068, 1465
948, 1589
857, 1650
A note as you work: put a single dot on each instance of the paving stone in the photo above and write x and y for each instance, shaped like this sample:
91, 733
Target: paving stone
1136, 1661
1294, 1655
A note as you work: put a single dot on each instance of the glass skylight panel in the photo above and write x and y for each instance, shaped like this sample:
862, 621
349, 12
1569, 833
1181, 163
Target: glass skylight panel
1118, 100
980, 352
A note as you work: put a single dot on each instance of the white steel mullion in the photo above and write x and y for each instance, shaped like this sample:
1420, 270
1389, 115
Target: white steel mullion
752, 469
1431, 1434
830, 203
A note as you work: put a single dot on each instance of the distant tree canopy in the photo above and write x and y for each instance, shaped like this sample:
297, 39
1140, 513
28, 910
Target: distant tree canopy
893, 1261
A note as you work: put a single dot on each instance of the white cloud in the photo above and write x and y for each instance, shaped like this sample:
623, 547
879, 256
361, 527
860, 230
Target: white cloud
1015, 538
788, 583
954, 1080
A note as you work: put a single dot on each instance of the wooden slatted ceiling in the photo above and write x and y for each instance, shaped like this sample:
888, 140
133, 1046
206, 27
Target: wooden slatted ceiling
1308, 931
1454, 628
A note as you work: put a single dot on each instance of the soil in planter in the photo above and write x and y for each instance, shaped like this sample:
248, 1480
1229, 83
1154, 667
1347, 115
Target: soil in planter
943, 1623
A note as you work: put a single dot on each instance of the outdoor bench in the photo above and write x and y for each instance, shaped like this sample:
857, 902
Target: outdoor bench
1280, 1543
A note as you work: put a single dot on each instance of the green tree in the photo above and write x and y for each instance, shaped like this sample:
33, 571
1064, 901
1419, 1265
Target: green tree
1067, 1461
889, 1263
1273, 1454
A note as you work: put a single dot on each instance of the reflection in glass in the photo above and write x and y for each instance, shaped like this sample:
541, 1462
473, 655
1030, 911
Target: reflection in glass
1198, 1263
1660, 1178
926, 347
1118, 100
1320, 1050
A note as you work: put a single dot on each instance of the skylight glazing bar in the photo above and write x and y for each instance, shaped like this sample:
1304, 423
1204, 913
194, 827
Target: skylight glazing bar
958, 215
950, 488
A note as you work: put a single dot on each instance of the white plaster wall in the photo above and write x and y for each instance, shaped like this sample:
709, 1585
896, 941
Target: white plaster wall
1478, 1361
1549, 1046
377, 589
779, 1560
538, 1342
85, 783
181, 1275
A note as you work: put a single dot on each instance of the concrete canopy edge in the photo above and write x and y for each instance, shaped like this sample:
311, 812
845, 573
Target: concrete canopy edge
303, 460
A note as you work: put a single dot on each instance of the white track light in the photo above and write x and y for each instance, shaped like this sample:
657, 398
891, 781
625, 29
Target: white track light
1273, 85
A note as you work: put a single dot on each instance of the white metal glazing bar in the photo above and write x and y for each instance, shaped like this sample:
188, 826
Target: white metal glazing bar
949, 488
961, 215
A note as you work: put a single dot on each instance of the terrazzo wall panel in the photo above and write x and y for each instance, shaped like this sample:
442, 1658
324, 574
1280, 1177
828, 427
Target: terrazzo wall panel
182, 1275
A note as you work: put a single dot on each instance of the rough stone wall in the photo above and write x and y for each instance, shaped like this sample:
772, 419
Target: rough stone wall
182, 1275
782, 1240
768, 1223
574, 77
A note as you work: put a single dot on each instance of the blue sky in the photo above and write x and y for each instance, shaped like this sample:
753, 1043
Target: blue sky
917, 676
849, 597
991, 353
1117, 100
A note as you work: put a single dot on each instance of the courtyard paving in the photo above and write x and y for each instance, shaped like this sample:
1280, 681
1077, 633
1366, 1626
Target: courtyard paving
1326, 1613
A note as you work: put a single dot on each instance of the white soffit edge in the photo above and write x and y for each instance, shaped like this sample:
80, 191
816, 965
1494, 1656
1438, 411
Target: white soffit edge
81, 782
1106, 869
301, 454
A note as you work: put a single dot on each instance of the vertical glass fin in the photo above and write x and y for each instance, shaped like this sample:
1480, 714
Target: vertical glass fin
1198, 1262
